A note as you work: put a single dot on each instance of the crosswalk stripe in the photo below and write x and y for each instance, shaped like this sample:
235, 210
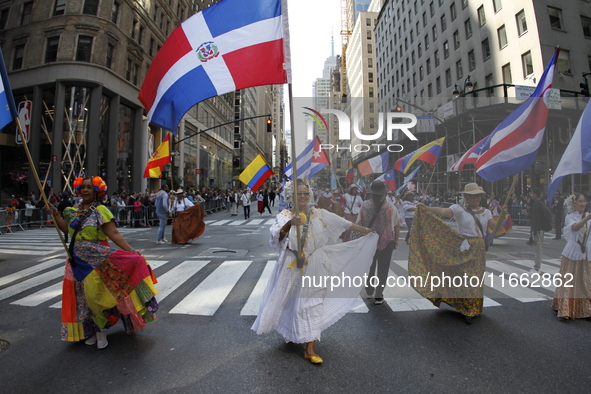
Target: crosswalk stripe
270, 222
29, 283
237, 223
251, 308
29, 271
520, 293
220, 222
173, 279
41, 296
401, 299
31, 252
206, 298
255, 221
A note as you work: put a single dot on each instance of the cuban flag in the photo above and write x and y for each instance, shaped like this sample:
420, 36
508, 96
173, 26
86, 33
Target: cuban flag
7, 107
577, 156
513, 145
377, 164
388, 179
469, 157
310, 161
232, 45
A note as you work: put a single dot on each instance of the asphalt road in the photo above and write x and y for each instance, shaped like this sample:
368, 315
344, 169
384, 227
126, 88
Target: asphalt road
517, 345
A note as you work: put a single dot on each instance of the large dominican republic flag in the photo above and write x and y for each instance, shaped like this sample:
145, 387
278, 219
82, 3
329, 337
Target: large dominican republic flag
310, 161
7, 107
232, 45
513, 145
577, 156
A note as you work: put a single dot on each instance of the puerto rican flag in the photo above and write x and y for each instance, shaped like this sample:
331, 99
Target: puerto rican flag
310, 161
513, 145
469, 157
232, 45
388, 179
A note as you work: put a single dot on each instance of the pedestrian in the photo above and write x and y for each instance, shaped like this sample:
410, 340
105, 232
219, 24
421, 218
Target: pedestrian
234, 200
558, 212
101, 284
382, 217
161, 203
245, 202
353, 203
408, 211
297, 311
272, 196
260, 203
437, 250
266, 201
29, 207
181, 202
572, 298
536, 215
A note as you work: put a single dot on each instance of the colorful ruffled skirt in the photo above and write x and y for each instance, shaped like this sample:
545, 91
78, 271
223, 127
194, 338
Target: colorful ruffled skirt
112, 284
573, 301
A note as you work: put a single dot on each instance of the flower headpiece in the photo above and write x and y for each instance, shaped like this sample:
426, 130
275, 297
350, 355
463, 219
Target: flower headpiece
98, 184
569, 203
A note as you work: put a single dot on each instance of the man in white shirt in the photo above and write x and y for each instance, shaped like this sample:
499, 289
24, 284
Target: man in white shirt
245, 202
353, 203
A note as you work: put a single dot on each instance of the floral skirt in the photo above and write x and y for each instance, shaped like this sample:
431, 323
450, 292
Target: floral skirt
119, 287
574, 302
435, 252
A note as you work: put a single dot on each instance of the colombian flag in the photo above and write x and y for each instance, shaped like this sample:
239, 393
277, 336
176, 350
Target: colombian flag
350, 172
503, 230
256, 173
159, 158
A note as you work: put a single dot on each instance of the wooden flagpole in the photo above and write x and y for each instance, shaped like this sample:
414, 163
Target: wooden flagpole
296, 210
38, 181
502, 215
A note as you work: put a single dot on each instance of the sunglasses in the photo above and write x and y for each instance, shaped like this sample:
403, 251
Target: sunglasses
303, 193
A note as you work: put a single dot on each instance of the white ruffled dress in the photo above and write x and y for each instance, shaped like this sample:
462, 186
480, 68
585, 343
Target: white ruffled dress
300, 305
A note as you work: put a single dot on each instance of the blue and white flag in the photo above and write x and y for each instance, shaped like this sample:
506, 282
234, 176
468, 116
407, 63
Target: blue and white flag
577, 156
407, 179
7, 108
310, 161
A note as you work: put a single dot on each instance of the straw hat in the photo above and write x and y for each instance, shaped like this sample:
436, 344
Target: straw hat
473, 188
180, 191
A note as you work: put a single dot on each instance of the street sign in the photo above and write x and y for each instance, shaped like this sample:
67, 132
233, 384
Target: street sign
24, 117
425, 124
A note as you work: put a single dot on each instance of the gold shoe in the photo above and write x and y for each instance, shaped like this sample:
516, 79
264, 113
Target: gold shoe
313, 359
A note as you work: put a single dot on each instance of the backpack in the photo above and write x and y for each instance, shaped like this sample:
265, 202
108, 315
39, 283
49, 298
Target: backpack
546, 219
232, 198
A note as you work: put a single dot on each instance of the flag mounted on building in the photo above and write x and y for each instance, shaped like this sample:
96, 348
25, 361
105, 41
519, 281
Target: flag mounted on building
231, 45
469, 157
375, 165
350, 172
256, 173
577, 156
310, 161
513, 145
7, 107
159, 159
428, 153
388, 179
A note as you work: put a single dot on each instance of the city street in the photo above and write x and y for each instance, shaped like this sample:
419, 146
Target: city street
210, 289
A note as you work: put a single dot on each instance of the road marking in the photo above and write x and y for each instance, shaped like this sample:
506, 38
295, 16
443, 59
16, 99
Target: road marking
206, 298
29, 271
251, 308
220, 222
173, 279
30, 283
255, 221
520, 293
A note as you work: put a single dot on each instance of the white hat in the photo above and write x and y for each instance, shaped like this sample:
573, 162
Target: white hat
472, 188
180, 191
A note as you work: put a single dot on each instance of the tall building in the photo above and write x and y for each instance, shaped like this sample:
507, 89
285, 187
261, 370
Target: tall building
490, 53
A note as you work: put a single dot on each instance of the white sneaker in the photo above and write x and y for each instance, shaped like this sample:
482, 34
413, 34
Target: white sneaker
165, 241
102, 342
534, 271
91, 340
161, 242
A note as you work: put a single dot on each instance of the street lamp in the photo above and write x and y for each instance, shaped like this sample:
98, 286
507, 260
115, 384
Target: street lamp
459, 92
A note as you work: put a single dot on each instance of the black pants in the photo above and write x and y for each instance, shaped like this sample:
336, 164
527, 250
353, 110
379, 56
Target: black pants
246, 211
381, 261
558, 225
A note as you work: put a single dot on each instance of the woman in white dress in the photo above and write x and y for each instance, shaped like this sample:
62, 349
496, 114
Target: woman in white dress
295, 303
572, 300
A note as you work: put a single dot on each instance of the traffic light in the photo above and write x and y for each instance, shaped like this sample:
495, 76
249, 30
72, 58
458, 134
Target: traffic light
397, 109
269, 125
584, 88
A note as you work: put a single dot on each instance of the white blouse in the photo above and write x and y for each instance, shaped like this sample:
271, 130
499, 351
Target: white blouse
572, 250
466, 224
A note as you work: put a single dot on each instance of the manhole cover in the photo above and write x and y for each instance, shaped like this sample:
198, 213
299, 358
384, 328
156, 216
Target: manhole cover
4, 346
224, 251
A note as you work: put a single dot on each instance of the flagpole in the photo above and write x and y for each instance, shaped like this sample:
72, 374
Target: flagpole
294, 172
38, 181
428, 184
502, 215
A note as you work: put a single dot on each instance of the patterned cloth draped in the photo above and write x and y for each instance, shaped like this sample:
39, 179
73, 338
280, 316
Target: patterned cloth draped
106, 284
434, 251
188, 225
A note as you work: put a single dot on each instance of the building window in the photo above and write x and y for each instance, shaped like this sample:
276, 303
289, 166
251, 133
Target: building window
19, 54
438, 85
430, 90
448, 78
521, 22
436, 56
507, 80
128, 70
527, 64
424, 19
367, 21
133, 28
155, 18
464, 4
140, 35
452, 11
445, 50
563, 62
485, 49
420, 49
481, 16
151, 50
468, 28
4, 18
431, 9
136, 72
428, 66
370, 77
369, 48
502, 34
555, 15
459, 70
434, 33
27, 10
426, 41
586, 22
110, 53
84, 48
414, 80
421, 73
51, 50
59, 8
456, 39
369, 34
471, 60
497, 5
371, 91
412, 56
90, 7
115, 12
488, 81
443, 23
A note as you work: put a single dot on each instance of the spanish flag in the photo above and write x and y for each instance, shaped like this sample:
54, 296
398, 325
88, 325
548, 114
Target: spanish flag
256, 173
159, 158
